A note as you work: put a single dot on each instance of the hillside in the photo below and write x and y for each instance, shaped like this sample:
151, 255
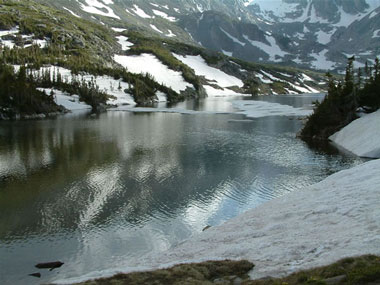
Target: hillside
126, 65
308, 34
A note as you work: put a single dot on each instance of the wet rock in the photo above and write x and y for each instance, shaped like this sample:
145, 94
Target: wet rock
37, 274
206, 228
49, 265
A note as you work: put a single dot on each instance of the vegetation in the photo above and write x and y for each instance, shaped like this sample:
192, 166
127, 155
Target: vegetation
196, 273
19, 96
343, 99
350, 271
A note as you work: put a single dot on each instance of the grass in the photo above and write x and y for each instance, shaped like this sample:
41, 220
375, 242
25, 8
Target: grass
194, 273
351, 271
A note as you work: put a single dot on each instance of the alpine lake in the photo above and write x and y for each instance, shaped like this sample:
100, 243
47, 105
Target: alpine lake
100, 191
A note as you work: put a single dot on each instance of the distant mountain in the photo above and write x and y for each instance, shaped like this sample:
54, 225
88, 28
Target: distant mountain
315, 34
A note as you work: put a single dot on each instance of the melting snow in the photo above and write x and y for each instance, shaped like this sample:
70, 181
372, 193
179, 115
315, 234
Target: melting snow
148, 63
202, 69
235, 40
96, 7
64, 99
170, 34
71, 12
257, 109
155, 28
164, 15
123, 41
119, 30
141, 13
312, 227
376, 34
321, 61
273, 49
361, 137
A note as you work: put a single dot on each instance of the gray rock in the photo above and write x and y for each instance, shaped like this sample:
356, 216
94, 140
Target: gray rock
335, 280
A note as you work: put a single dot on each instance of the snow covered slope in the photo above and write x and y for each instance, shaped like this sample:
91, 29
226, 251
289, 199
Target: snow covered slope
362, 136
309, 33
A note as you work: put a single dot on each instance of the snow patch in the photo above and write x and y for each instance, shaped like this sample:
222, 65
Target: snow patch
156, 29
70, 102
235, 40
141, 13
258, 109
213, 74
273, 49
164, 15
361, 137
148, 63
71, 12
97, 7
123, 41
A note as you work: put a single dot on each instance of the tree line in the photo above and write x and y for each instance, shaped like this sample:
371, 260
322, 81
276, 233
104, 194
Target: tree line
358, 91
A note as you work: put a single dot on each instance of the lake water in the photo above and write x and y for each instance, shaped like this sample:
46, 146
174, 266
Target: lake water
100, 192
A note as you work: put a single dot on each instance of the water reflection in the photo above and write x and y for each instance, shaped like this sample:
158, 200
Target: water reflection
96, 192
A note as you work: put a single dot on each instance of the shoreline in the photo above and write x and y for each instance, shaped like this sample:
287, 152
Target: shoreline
312, 227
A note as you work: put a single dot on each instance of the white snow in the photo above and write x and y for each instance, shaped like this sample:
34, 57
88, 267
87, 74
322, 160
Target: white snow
211, 91
202, 69
15, 30
324, 37
321, 61
64, 99
71, 12
148, 63
119, 30
40, 43
376, 34
97, 7
164, 15
156, 29
258, 109
263, 79
105, 83
170, 34
273, 49
141, 13
123, 41
373, 14
361, 137
227, 53
312, 227
235, 40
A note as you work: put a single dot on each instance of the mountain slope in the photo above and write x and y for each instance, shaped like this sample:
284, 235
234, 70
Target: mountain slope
307, 33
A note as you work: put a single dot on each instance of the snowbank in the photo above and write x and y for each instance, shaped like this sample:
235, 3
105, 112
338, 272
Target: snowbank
335, 218
258, 109
202, 69
319, 225
148, 63
64, 99
361, 137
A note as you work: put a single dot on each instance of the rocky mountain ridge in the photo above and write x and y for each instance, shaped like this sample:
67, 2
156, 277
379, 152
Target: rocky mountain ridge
316, 34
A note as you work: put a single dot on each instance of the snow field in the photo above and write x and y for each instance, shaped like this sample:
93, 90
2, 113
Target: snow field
99, 8
123, 41
258, 109
105, 83
71, 103
202, 69
148, 63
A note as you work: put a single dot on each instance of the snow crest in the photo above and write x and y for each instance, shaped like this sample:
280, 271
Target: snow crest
361, 137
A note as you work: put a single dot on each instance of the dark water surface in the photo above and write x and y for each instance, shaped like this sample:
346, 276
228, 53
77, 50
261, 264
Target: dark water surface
95, 192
